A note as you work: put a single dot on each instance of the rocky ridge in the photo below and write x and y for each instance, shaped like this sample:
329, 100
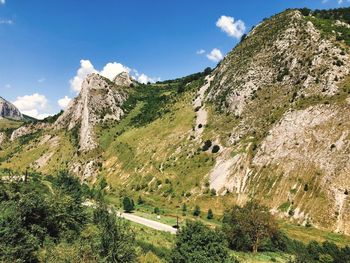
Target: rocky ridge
8, 110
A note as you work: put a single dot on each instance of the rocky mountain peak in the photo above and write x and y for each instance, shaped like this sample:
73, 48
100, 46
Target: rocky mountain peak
8, 110
99, 100
123, 79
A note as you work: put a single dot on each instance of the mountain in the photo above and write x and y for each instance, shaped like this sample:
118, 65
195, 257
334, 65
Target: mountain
99, 100
9, 111
270, 122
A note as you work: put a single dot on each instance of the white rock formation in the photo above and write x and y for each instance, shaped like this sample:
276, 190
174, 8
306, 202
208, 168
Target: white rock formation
8, 110
99, 100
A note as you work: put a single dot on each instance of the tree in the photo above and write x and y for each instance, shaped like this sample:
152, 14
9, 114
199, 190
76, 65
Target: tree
249, 226
157, 210
196, 211
197, 243
128, 204
210, 214
140, 200
184, 209
116, 238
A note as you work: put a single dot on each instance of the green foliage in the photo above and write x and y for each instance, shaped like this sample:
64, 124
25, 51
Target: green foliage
210, 214
184, 209
128, 204
196, 243
216, 149
29, 214
116, 238
249, 227
197, 211
207, 145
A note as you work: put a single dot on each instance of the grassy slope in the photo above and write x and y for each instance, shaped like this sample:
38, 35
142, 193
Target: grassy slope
9, 124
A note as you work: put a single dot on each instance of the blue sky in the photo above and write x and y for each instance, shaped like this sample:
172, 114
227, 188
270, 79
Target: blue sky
43, 42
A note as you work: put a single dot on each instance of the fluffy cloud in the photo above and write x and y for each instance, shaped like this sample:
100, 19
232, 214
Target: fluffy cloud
110, 71
63, 103
343, 1
144, 79
200, 52
231, 27
215, 55
35, 105
113, 69
85, 69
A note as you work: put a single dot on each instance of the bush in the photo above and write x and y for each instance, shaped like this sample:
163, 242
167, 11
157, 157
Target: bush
197, 243
196, 211
207, 145
210, 214
128, 204
216, 149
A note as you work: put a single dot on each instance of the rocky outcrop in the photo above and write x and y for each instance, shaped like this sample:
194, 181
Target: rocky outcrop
99, 100
28, 129
9, 111
287, 88
2, 137
123, 79
286, 52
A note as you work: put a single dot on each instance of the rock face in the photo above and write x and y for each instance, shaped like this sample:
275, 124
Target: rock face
27, 129
286, 52
99, 100
123, 79
287, 86
8, 110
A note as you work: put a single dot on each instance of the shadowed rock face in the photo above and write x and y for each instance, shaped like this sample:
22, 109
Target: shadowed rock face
8, 110
99, 100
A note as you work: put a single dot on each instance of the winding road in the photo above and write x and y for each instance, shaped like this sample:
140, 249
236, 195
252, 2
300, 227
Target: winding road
147, 222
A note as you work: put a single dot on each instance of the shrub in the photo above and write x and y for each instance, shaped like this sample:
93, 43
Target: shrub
216, 149
196, 211
128, 204
197, 243
210, 214
207, 145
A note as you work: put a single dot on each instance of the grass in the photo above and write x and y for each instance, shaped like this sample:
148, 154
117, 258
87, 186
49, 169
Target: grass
9, 124
261, 257
307, 234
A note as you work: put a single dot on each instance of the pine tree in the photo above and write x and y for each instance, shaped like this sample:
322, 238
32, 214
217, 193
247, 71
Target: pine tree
128, 204
197, 211
210, 214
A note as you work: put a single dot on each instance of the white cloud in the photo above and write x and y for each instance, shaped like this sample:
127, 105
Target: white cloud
110, 71
200, 52
113, 69
8, 86
343, 1
6, 22
2, 2
144, 79
231, 27
41, 80
215, 55
63, 103
34, 105
85, 69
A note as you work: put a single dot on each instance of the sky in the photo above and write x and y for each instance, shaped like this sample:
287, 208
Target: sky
48, 47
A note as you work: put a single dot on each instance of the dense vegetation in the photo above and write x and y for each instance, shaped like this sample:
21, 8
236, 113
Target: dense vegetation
43, 220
